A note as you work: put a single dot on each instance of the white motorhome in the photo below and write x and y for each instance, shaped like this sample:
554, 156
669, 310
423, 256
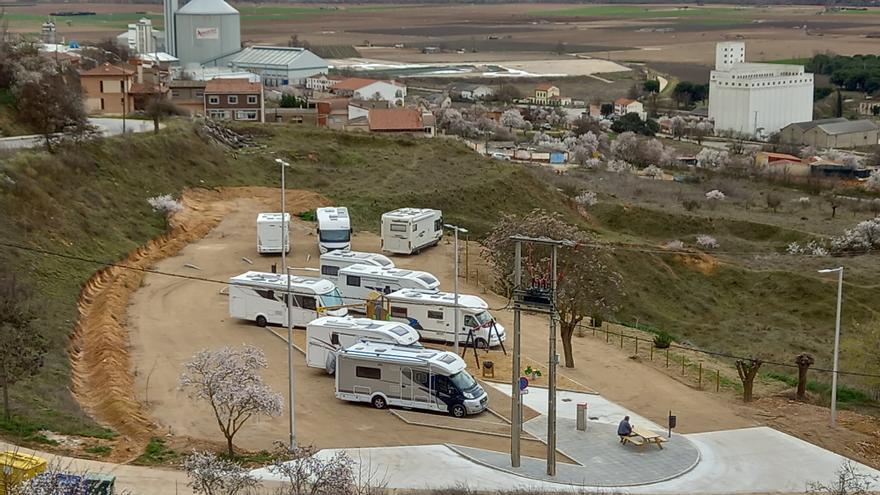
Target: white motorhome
260, 297
409, 230
328, 334
385, 375
333, 261
431, 313
334, 229
270, 232
357, 282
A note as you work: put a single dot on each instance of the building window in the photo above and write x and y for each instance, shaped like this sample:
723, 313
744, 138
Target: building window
352, 281
213, 100
175, 93
365, 372
102, 86
102, 102
232, 99
199, 93
435, 315
252, 99
329, 270
398, 312
246, 115
218, 114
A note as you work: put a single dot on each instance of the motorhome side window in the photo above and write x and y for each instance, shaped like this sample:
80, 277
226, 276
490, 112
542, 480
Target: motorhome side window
441, 384
330, 270
398, 227
435, 315
365, 372
470, 321
334, 338
438, 224
305, 302
266, 294
353, 281
398, 312
420, 377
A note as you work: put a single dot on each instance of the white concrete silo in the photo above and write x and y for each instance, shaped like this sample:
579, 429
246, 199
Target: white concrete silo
206, 30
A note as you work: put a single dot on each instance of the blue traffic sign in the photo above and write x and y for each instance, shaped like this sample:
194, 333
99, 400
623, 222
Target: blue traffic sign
523, 383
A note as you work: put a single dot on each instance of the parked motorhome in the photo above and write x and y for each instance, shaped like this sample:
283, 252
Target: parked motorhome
270, 232
431, 313
327, 335
385, 375
333, 261
357, 282
260, 297
409, 230
334, 229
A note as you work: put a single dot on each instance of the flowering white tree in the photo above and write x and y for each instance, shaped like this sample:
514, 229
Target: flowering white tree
653, 172
712, 158
679, 127
586, 198
557, 117
305, 472
873, 182
512, 119
229, 380
626, 147
707, 241
211, 475
715, 195
811, 248
864, 237
619, 166
165, 204
674, 245
548, 141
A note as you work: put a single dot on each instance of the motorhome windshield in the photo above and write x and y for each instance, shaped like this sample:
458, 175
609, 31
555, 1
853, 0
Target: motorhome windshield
483, 317
331, 298
463, 380
338, 235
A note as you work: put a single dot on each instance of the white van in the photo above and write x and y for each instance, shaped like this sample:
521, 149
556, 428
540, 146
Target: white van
385, 375
334, 229
409, 230
431, 314
357, 282
270, 230
260, 297
328, 334
333, 261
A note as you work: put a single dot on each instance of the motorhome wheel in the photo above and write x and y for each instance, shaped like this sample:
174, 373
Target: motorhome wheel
458, 410
379, 402
261, 321
481, 343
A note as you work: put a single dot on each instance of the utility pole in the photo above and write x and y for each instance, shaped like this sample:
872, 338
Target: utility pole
551, 381
839, 271
516, 397
455, 315
288, 301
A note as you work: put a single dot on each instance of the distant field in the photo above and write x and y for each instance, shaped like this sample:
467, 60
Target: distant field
632, 11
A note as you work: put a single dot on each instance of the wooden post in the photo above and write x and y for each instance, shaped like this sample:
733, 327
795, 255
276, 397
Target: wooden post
652, 351
717, 380
682, 365
467, 264
607, 338
637, 346
700, 379
667, 357
621, 339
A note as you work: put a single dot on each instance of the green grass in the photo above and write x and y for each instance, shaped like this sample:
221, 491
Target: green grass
845, 394
24, 431
156, 452
101, 450
111, 19
308, 215
790, 61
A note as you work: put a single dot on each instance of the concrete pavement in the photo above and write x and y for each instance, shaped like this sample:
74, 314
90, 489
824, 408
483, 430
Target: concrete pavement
107, 126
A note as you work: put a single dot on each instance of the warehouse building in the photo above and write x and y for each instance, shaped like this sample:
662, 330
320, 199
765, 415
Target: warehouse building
832, 133
279, 65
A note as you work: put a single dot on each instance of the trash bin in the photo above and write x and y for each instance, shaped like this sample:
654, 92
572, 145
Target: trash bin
582, 416
17, 467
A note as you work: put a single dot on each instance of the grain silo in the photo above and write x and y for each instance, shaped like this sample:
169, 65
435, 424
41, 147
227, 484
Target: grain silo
206, 30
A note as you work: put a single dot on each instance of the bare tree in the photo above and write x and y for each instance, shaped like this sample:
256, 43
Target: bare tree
586, 282
803, 362
211, 475
306, 473
50, 99
849, 481
22, 347
229, 380
773, 201
747, 370
159, 108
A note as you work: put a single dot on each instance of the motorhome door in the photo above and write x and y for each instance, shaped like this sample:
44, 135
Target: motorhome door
415, 387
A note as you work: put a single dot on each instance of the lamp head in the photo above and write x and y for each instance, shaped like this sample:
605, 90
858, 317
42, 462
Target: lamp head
831, 270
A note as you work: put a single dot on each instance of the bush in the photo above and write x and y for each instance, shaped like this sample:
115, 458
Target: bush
662, 340
690, 204
308, 216
597, 320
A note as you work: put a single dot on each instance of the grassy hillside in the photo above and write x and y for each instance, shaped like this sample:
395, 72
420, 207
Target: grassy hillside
91, 201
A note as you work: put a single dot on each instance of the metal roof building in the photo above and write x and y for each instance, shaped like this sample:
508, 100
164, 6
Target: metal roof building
206, 31
832, 133
278, 65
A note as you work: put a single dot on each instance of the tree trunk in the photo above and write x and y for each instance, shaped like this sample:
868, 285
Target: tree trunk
747, 370
229, 448
5, 386
567, 331
156, 124
803, 361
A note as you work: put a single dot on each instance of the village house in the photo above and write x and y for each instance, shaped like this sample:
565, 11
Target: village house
623, 106
189, 95
549, 95
371, 89
322, 83
471, 92
832, 133
234, 99
400, 120
106, 89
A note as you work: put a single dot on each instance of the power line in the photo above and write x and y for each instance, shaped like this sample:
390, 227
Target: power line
46, 252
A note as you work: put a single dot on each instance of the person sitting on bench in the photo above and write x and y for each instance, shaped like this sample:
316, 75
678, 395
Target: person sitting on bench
624, 429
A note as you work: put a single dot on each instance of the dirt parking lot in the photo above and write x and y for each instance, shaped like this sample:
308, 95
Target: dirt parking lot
170, 319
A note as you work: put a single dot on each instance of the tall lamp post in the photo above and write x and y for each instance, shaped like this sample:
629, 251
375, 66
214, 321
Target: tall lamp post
456, 229
839, 271
284, 246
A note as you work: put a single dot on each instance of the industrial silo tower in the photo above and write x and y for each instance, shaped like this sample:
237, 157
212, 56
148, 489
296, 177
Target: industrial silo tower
206, 30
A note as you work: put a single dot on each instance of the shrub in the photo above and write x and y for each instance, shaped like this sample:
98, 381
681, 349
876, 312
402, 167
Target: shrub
707, 241
165, 204
586, 198
653, 172
662, 340
864, 237
690, 204
308, 216
676, 245
715, 195
597, 320
773, 201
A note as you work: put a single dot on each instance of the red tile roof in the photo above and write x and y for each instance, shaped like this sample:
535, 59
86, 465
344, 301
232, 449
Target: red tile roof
395, 119
107, 69
353, 83
781, 156
233, 86
544, 87
623, 101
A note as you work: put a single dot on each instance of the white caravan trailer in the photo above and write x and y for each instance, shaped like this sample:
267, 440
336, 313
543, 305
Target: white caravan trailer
357, 282
386, 375
409, 230
328, 334
431, 313
270, 232
260, 297
333, 261
334, 229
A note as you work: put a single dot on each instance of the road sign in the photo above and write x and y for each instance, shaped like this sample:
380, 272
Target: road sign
523, 383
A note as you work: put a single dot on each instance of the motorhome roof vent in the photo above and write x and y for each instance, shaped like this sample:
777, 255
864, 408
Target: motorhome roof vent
448, 359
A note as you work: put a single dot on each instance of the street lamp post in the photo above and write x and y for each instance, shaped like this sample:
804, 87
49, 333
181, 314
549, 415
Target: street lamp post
456, 229
284, 246
839, 271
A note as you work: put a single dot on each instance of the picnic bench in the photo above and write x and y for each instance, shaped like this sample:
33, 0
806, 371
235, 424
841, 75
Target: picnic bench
640, 437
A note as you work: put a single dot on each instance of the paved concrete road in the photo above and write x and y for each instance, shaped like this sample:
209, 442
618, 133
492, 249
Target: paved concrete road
107, 126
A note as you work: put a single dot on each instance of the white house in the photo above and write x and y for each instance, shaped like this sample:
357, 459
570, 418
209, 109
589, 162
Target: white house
623, 106
322, 82
371, 89
756, 99
471, 92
